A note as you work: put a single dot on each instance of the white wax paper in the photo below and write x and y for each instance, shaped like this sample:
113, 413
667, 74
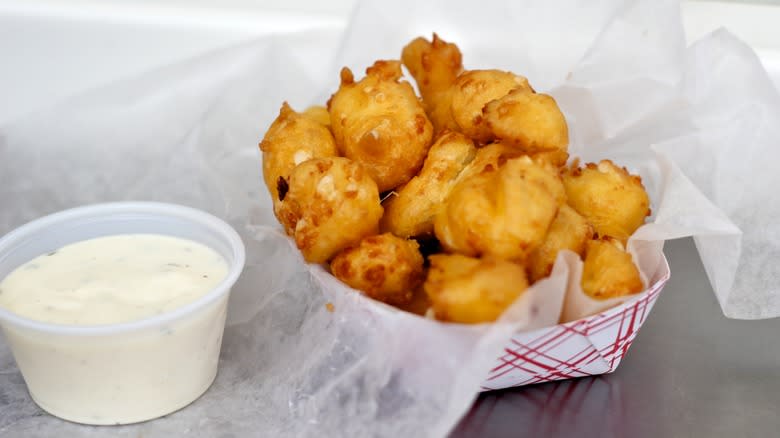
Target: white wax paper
698, 123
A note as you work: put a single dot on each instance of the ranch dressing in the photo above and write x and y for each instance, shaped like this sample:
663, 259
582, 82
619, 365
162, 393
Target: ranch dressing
117, 376
112, 279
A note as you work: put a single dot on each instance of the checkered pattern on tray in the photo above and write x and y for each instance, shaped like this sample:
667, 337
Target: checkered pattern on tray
586, 347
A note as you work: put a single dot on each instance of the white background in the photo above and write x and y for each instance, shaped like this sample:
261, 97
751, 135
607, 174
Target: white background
51, 49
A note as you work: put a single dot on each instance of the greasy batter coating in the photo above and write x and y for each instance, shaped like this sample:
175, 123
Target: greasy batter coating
530, 121
569, 231
609, 271
472, 91
470, 290
556, 158
489, 158
503, 213
409, 212
419, 304
319, 114
610, 198
328, 204
434, 65
290, 140
385, 267
379, 123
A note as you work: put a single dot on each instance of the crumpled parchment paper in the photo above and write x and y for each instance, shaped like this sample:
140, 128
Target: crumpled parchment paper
700, 124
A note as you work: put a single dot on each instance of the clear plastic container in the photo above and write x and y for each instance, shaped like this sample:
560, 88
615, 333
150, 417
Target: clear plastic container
128, 372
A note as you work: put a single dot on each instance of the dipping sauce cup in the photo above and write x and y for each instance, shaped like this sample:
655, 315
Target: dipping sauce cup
126, 372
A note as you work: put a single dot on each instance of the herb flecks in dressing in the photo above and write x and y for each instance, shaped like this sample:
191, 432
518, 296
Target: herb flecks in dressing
112, 279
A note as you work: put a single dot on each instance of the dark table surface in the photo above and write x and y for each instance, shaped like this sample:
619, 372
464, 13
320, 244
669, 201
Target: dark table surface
691, 372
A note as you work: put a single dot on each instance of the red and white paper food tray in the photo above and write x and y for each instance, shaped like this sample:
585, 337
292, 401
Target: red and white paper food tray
587, 347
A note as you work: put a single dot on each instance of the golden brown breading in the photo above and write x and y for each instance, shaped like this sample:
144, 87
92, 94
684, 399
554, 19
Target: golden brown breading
385, 267
379, 123
530, 121
556, 158
489, 158
569, 231
469, 290
410, 211
503, 213
472, 91
327, 205
434, 65
609, 271
491, 203
319, 114
610, 198
290, 140
419, 304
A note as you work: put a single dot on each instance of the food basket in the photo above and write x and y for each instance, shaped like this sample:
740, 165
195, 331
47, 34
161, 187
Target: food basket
587, 347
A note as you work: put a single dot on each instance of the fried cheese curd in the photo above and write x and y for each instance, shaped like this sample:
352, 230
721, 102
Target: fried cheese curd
502, 213
419, 304
319, 114
530, 121
610, 198
380, 123
434, 65
409, 212
472, 91
471, 290
385, 267
556, 158
328, 204
569, 231
489, 158
485, 105
290, 140
609, 271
